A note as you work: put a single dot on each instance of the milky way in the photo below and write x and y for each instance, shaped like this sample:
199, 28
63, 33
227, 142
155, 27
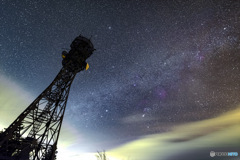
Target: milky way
156, 64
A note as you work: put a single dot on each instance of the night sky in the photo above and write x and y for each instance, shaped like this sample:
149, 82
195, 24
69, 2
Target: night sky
157, 63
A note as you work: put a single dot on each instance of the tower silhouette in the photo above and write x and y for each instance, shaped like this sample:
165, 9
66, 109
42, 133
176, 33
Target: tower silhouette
34, 134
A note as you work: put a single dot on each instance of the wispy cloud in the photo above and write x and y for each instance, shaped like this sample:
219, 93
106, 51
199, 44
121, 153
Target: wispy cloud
221, 132
137, 118
13, 100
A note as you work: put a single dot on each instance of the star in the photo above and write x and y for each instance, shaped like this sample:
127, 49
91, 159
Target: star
157, 64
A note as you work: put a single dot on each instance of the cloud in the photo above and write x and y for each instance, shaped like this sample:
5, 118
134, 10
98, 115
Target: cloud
13, 100
137, 118
220, 133
199, 129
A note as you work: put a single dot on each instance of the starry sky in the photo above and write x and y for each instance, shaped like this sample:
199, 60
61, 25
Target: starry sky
157, 64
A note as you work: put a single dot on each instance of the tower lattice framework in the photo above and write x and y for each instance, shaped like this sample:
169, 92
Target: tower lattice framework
34, 134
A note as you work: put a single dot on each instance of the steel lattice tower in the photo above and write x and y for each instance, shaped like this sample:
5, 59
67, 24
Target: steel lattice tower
34, 134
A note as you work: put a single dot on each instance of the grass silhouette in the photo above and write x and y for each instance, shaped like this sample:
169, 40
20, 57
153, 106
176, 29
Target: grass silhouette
101, 155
